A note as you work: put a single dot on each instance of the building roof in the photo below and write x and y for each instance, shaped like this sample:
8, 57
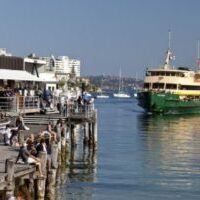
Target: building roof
20, 75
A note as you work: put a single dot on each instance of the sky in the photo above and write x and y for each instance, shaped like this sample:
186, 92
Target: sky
105, 35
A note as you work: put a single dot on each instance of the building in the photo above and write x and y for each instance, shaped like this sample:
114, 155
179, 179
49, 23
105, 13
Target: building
62, 65
74, 67
3, 52
17, 71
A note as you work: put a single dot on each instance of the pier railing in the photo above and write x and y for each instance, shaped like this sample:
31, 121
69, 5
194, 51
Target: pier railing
80, 111
19, 104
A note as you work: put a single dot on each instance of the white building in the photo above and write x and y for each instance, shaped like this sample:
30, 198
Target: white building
74, 66
4, 53
62, 65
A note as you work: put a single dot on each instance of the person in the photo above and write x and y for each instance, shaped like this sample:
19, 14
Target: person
28, 158
42, 146
49, 129
30, 145
6, 135
80, 103
19, 123
61, 126
47, 96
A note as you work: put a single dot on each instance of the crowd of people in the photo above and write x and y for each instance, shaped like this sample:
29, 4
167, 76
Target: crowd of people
29, 149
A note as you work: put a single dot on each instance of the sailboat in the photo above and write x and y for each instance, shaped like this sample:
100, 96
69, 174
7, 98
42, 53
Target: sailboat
120, 93
101, 95
135, 93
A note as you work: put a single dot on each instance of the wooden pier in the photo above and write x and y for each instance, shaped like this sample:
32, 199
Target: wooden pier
18, 179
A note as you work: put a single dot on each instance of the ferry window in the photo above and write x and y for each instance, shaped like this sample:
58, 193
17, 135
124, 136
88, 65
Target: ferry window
167, 74
171, 86
189, 87
158, 85
146, 85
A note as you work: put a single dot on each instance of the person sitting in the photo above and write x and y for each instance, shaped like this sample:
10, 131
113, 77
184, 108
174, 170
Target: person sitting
31, 145
49, 129
28, 158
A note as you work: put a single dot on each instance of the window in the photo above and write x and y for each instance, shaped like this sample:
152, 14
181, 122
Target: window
146, 85
171, 86
189, 87
158, 85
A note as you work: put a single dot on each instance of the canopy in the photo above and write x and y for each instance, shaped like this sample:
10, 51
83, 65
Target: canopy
19, 75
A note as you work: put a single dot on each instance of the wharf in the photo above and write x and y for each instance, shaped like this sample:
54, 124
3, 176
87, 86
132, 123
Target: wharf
12, 175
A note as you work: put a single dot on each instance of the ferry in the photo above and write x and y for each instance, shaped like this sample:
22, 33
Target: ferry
170, 91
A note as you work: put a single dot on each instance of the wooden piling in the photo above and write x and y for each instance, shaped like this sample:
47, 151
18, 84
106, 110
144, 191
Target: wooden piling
63, 144
43, 160
86, 134
30, 184
95, 132
9, 169
90, 135
50, 185
54, 156
40, 182
21, 137
58, 132
73, 135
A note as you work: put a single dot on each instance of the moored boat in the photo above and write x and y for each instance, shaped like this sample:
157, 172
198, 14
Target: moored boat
102, 96
120, 93
170, 91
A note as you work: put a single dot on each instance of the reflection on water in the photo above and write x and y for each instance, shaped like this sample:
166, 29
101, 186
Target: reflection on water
82, 168
172, 145
139, 157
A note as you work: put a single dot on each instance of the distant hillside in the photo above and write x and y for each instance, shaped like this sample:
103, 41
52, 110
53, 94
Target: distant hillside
112, 82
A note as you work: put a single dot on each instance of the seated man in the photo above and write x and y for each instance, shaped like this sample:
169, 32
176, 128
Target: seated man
28, 158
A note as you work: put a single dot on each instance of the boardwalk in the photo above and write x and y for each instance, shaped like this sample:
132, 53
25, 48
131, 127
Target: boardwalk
84, 116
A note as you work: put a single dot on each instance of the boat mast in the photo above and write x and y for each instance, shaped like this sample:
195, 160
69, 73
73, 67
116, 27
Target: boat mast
169, 56
198, 58
120, 74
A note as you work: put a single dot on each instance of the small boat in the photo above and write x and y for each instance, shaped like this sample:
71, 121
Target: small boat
102, 96
168, 90
120, 93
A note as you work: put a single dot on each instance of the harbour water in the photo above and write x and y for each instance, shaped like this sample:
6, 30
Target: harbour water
141, 157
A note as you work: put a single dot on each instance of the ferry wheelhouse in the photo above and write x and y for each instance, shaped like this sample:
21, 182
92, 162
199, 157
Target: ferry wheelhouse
170, 91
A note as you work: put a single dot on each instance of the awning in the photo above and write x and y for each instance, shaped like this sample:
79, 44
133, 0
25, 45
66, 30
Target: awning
18, 75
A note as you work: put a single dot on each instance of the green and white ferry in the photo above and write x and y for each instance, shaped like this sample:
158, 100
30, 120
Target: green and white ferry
170, 91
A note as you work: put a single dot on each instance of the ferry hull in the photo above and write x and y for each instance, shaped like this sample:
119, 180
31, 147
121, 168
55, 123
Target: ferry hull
166, 103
